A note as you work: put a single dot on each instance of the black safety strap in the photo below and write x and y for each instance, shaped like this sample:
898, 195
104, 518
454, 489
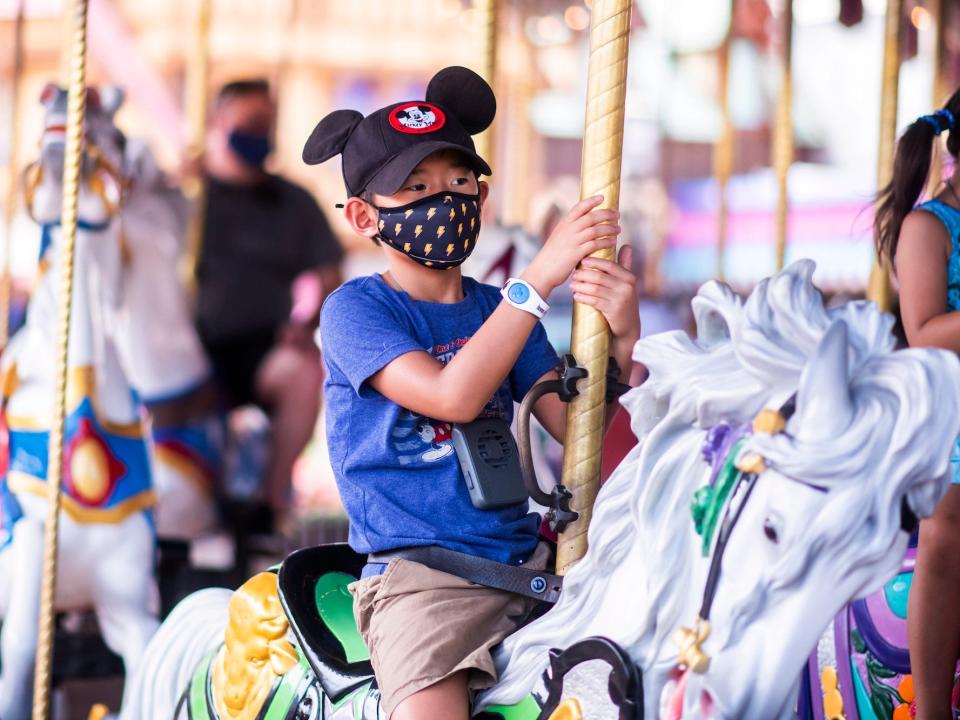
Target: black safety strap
516, 579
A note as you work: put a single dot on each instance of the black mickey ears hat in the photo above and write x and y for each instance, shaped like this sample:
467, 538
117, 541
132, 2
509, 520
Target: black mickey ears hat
381, 150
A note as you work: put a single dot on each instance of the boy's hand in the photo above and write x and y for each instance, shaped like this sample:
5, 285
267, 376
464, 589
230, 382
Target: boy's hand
610, 287
583, 231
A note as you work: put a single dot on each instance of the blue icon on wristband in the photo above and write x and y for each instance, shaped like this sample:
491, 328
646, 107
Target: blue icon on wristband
518, 293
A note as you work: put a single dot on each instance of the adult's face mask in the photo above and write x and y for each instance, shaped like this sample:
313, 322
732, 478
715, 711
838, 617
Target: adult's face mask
252, 148
439, 231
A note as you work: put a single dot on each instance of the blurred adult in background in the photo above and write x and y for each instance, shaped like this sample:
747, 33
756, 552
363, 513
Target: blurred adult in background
267, 261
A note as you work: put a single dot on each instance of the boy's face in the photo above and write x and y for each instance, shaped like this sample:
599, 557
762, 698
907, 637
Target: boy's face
440, 172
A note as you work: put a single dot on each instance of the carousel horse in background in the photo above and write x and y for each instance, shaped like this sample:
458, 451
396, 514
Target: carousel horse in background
162, 351
717, 579
106, 550
709, 582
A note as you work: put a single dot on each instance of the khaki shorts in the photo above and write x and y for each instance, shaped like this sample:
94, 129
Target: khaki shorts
422, 625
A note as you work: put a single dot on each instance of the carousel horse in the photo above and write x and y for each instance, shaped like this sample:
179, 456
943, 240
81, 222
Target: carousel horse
162, 351
106, 548
795, 408
706, 585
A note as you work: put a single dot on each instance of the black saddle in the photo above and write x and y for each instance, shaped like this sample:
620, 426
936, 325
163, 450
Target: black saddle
313, 591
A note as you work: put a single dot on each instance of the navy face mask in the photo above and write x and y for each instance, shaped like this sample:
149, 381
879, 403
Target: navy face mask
252, 148
439, 231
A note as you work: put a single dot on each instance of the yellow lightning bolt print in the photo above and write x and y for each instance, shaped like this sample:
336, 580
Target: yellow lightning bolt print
407, 214
382, 223
396, 229
431, 212
460, 230
449, 248
448, 198
472, 221
441, 230
417, 230
453, 213
427, 248
463, 209
406, 247
466, 243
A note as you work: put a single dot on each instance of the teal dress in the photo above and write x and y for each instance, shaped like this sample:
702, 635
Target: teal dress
950, 217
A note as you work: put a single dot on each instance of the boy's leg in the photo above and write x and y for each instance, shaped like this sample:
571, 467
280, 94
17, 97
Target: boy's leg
446, 699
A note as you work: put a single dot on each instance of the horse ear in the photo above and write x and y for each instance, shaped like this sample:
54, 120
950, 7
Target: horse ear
330, 136
466, 95
111, 98
824, 405
49, 93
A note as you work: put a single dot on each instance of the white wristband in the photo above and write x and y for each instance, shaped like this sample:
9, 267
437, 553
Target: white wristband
523, 296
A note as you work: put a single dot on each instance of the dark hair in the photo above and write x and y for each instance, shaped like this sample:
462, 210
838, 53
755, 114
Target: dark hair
243, 88
911, 166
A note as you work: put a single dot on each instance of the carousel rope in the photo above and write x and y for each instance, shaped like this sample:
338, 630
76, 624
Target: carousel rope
487, 21
783, 146
15, 101
76, 109
878, 287
600, 175
196, 104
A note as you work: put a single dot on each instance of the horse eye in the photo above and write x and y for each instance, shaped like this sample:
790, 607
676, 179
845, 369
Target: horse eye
770, 530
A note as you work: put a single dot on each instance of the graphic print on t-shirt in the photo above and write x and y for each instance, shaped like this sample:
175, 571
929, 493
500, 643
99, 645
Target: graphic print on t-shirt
417, 438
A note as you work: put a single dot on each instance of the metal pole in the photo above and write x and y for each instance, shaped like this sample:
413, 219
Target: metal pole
938, 12
599, 175
878, 288
487, 16
783, 135
76, 109
723, 150
11, 203
196, 111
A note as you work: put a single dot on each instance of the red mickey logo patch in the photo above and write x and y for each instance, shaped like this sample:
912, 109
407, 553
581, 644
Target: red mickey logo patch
417, 118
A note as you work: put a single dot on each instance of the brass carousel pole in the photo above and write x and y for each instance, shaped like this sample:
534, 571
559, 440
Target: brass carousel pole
783, 135
878, 288
723, 150
76, 109
487, 16
11, 203
599, 175
196, 112
938, 11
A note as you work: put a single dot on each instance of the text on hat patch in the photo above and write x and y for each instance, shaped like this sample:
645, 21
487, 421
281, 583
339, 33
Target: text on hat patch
417, 117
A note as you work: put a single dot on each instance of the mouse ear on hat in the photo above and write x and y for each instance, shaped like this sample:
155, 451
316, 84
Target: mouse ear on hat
466, 95
330, 136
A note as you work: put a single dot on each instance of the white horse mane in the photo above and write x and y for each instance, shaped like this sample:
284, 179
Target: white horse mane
748, 356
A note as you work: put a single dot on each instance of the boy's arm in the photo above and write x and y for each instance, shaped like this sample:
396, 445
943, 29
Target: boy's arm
459, 390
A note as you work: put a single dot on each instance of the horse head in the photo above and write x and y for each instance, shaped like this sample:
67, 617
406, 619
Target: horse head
101, 163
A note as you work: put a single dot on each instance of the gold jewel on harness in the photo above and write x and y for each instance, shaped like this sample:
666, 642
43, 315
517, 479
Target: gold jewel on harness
769, 421
569, 709
751, 463
690, 642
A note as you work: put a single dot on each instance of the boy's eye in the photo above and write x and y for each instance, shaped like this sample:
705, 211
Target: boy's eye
416, 187
459, 181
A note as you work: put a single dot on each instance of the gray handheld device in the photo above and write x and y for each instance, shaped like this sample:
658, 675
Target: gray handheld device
490, 461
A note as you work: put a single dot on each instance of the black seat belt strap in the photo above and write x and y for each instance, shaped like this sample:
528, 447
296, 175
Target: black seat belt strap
534, 584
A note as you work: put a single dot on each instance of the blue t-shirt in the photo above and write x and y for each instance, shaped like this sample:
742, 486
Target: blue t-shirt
398, 474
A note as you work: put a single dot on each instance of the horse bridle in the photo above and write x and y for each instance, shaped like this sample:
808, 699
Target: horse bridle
103, 168
690, 640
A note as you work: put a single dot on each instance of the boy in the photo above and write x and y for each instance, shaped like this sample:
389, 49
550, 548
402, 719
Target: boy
413, 350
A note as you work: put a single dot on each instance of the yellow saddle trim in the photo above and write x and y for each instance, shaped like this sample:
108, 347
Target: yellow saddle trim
21, 482
255, 651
